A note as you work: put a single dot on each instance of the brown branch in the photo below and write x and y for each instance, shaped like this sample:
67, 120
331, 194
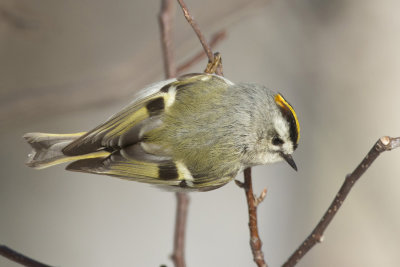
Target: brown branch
165, 18
196, 29
206, 46
20, 258
383, 144
178, 256
215, 39
252, 202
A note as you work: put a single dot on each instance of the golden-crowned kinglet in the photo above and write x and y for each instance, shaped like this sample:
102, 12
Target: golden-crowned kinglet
195, 132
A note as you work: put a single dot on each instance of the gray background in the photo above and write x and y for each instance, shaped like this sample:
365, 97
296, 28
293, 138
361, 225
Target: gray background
66, 66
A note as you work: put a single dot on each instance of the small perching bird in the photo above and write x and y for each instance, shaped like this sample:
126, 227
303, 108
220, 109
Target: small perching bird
195, 132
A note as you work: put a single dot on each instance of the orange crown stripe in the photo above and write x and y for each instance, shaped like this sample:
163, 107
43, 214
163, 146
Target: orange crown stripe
285, 105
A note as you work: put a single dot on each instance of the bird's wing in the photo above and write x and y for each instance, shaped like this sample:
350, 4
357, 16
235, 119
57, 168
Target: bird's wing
133, 163
128, 126
125, 126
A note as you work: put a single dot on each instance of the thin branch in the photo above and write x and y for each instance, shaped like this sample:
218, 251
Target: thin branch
178, 255
206, 46
383, 144
165, 18
20, 258
252, 202
196, 29
215, 39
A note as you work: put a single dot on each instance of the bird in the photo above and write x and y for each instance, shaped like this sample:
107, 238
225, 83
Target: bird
195, 132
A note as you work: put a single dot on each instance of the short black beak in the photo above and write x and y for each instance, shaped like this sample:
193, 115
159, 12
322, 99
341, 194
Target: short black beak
289, 160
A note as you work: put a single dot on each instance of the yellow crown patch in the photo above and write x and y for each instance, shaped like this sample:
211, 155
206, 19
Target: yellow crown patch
289, 112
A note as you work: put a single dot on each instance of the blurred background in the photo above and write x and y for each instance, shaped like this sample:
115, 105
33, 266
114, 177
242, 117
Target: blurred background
66, 66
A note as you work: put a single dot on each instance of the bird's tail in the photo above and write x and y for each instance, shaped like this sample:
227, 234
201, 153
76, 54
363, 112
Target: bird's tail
47, 149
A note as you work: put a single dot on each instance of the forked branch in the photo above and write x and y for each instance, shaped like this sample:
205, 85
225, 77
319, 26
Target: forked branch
385, 143
252, 203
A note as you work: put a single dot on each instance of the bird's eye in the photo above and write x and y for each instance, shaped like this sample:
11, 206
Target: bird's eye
276, 141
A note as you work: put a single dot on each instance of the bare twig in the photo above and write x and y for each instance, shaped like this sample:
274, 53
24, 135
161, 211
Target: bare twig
383, 144
206, 47
196, 29
165, 21
255, 241
20, 258
215, 39
178, 255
